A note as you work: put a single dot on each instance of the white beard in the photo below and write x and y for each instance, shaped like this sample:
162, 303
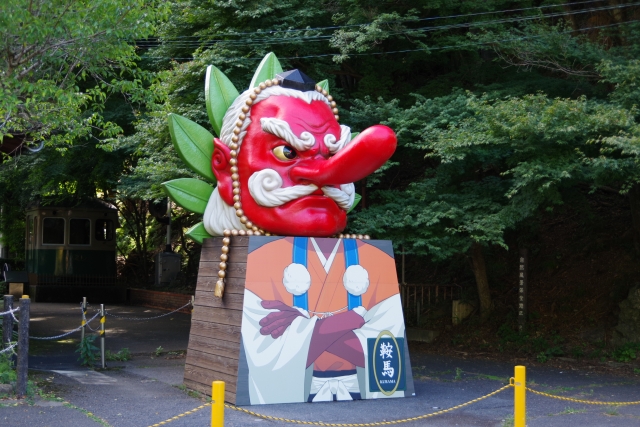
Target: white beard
266, 190
219, 216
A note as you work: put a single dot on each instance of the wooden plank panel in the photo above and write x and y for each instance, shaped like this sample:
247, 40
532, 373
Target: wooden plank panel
205, 284
232, 285
221, 316
206, 376
216, 331
229, 397
214, 346
212, 361
228, 301
235, 268
217, 241
235, 252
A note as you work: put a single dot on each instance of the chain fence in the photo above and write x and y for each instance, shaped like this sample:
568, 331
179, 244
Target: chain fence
147, 318
11, 310
88, 324
23, 334
10, 348
64, 334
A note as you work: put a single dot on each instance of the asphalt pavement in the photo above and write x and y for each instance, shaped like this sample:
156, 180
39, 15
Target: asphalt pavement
147, 389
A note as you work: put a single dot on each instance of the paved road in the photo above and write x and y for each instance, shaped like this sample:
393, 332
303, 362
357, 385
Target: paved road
146, 389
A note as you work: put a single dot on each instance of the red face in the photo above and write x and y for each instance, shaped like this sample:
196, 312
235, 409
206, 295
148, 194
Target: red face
315, 214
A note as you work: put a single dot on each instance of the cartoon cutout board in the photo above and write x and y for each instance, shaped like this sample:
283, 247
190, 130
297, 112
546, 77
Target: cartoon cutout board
322, 321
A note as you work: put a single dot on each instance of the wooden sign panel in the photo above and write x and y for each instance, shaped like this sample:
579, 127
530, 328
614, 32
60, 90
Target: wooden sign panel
302, 320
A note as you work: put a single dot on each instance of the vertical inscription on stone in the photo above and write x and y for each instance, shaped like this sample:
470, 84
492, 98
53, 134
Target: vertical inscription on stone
522, 289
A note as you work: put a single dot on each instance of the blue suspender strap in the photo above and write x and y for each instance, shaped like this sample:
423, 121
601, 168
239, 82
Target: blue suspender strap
300, 257
351, 258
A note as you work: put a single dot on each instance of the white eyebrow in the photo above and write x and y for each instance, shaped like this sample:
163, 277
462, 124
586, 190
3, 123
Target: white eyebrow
281, 129
335, 146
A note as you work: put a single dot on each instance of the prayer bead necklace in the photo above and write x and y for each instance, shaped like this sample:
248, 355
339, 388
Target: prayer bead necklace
252, 229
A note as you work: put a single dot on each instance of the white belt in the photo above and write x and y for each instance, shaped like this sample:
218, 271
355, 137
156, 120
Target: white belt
341, 387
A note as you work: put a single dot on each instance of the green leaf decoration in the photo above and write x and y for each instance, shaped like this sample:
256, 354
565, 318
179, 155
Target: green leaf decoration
219, 94
194, 145
198, 233
191, 194
356, 200
354, 134
324, 85
268, 68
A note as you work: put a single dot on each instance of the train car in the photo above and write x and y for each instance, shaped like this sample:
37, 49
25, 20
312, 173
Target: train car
71, 252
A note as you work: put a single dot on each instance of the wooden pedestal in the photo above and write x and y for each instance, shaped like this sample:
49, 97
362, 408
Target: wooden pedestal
214, 341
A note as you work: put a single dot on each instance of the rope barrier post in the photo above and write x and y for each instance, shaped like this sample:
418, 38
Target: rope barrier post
520, 394
7, 321
84, 318
23, 347
102, 321
217, 404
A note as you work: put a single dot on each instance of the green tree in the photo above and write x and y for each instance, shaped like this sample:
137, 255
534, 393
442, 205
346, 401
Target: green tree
617, 165
70, 83
490, 163
61, 61
469, 166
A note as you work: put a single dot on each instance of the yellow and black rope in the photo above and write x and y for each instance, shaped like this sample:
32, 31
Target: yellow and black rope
586, 402
321, 423
177, 417
379, 423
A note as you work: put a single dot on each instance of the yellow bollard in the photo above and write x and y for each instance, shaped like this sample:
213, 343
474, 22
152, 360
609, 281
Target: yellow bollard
520, 396
217, 404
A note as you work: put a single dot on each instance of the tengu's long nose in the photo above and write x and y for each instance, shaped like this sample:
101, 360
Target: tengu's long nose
361, 157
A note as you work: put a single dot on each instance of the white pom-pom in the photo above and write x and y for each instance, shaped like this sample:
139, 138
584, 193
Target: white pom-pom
356, 280
296, 279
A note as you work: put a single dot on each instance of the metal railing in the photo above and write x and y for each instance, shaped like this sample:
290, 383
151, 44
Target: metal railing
415, 297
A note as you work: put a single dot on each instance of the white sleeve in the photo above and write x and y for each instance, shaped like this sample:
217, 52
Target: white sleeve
276, 366
384, 316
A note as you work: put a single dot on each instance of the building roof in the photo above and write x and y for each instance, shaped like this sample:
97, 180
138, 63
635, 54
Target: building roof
87, 203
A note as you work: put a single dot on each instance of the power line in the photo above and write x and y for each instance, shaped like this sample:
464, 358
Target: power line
461, 45
529, 18
186, 44
465, 44
466, 15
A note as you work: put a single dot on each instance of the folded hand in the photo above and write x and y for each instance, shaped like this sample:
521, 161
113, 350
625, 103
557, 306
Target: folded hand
276, 323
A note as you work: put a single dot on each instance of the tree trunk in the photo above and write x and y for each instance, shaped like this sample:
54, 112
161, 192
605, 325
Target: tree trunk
634, 201
363, 202
480, 271
134, 213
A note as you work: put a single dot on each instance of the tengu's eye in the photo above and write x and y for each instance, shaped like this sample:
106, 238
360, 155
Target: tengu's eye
284, 152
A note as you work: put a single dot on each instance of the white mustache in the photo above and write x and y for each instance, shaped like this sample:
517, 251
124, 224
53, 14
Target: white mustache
266, 189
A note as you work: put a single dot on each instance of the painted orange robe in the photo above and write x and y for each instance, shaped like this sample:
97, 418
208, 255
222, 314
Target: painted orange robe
326, 293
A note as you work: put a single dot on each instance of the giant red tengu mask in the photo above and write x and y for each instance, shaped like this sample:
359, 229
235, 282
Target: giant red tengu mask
283, 163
